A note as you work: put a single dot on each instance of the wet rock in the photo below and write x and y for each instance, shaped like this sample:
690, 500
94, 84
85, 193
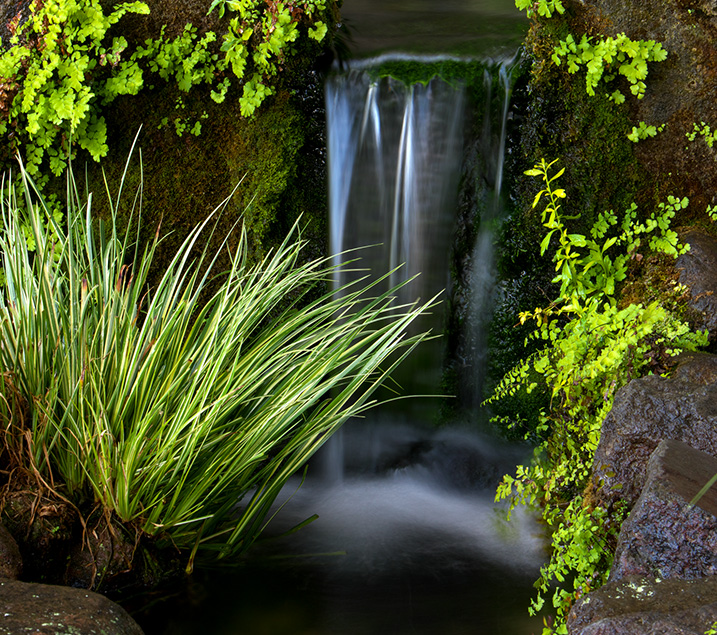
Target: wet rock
44, 527
664, 536
646, 606
698, 271
42, 609
10, 559
648, 410
680, 90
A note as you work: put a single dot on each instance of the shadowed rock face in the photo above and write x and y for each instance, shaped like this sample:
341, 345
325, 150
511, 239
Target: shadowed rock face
10, 559
53, 610
648, 410
698, 271
664, 536
680, 90
646, 606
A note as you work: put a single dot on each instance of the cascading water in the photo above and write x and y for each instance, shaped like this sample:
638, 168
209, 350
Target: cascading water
406, 521
394, 158
482, 275
407, 504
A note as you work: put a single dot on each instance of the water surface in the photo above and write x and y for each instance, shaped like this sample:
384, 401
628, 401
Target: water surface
478, 28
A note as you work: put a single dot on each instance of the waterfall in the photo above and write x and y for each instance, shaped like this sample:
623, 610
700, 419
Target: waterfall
396, 155
482, 275
394, 159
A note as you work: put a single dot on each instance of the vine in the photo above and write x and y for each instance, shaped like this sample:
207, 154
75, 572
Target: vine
592, 347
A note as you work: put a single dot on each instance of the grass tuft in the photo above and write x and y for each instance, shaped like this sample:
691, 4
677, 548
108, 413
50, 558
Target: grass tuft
179, 416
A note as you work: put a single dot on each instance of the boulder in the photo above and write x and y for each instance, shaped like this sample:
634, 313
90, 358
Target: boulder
665, 536
43, 609
646, 606
698, 271
648, 410
10, 559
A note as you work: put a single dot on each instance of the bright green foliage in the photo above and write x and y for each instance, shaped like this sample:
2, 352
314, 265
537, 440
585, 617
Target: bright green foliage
592, 347
181, 416
51, 94
705, 131
643, 131
61, 67
187, 60
712, 630
260, 36
543, 8
602, 58
605, 59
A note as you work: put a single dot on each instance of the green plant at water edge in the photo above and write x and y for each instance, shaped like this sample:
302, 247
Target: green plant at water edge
181, 417
61, 67
592, 347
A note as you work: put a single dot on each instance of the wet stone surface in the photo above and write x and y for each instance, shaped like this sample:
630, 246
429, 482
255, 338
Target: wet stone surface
43, 609
648, 410
665, 536
10, 559
646, 606
698, 271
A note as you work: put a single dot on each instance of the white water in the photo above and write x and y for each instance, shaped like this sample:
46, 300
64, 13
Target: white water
414, 500
394, 158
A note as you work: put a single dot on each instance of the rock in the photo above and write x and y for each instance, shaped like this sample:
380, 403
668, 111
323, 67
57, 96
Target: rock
646, 606
100, 559
43, 609
680, 90
664, 536
698, 271
648, 410
10, 559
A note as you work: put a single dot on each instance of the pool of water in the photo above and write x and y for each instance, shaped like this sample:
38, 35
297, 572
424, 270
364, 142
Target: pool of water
476, 28
408, 541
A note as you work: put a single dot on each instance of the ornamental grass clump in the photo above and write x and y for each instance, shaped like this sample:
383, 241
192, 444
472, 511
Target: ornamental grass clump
179, 418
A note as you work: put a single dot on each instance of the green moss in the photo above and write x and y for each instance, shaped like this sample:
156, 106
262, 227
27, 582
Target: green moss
185, 178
